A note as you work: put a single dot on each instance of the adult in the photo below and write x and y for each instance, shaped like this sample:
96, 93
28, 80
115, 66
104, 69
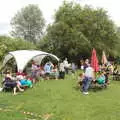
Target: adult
89, 76
115, 73
48, 68
61, 70
34, 71
26, 82
73, 67
10, 82
101, 79
66, 65
55, 72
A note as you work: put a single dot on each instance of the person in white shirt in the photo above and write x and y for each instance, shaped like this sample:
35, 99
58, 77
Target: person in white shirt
89, 76
61, 70
66, 65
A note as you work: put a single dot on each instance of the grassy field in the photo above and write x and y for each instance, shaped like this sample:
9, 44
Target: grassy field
60, 100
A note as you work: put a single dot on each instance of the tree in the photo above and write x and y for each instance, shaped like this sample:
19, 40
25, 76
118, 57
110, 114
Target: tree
8, 44
28, 23
117, 46
76, 30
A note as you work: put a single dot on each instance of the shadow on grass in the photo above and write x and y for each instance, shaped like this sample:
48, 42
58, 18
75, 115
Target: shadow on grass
77, 88
98, 88
92, 88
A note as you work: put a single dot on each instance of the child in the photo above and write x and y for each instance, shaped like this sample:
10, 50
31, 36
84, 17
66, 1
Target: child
80, 79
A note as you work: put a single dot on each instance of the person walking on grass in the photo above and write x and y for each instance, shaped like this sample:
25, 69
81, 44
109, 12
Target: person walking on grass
89, 76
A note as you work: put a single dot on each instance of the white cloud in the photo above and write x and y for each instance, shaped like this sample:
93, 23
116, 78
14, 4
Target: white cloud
8, 8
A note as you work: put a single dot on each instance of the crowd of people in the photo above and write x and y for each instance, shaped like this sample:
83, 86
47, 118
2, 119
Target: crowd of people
16, 83
89, 77
86, 79
21, 80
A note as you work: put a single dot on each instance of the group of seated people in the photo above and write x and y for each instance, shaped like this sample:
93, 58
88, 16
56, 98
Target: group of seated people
89, 78
113, 70
101, 79
22, 80
45, 71
116, 73
50, 70
19, 82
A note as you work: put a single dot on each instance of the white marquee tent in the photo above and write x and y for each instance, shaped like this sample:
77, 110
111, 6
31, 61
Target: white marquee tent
22, 57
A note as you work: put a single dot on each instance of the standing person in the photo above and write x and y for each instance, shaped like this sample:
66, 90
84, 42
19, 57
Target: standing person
34, 71
61, 70
73, 67
66, 65
89, 76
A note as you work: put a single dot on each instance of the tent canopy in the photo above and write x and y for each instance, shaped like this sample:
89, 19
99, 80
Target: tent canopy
22, 57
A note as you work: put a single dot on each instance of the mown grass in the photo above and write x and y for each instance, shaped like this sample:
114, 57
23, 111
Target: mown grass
61, 100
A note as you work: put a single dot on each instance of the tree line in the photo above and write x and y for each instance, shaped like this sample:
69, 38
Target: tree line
76, 30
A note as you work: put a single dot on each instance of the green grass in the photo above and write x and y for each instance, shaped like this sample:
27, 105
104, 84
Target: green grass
61, 100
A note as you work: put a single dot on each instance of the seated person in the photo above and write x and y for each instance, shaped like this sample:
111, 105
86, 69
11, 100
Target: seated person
107, 81
80, 79
20, 76
54, 72
9, 82
25, 82
116, 73
41, 71
48, 68
101, 79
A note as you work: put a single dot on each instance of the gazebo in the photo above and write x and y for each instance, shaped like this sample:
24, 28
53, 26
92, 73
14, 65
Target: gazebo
22, 57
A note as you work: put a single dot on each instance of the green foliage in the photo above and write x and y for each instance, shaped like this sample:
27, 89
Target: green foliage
117, 46
8, 44
28, 23
76, 30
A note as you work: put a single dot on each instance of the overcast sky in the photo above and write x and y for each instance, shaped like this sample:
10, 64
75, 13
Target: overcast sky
8, 8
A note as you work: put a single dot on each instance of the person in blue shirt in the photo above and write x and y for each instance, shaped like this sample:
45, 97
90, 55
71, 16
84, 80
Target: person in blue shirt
48, 68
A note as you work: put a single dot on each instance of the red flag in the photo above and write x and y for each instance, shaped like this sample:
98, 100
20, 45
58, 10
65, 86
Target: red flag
94, 61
